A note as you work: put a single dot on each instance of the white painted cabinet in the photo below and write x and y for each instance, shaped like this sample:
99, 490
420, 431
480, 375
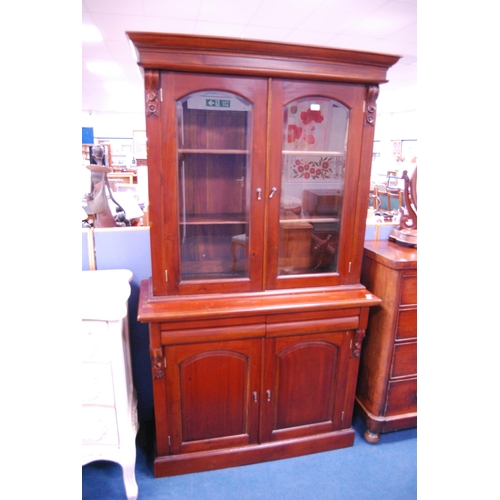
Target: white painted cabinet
109, 402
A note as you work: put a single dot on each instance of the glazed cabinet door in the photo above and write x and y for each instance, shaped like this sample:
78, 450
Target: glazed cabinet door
212, 182
315, 156
213, 394
304, 385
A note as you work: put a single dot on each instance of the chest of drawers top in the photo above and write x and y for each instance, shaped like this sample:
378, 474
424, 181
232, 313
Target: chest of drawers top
391, 255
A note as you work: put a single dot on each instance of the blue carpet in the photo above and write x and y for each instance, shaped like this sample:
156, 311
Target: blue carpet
385, 471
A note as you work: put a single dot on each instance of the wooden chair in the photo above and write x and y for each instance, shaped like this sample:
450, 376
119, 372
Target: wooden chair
390, 199
240, 240
394, 199
381, 193
373, 199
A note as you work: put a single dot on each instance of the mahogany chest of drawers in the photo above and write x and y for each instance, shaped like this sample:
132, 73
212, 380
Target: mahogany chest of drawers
386, 394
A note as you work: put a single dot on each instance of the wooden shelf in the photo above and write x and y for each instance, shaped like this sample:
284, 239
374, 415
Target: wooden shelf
310, 220
213, 219
215, 151
312, 153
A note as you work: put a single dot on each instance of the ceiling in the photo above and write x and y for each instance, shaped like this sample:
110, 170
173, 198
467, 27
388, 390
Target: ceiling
388, 26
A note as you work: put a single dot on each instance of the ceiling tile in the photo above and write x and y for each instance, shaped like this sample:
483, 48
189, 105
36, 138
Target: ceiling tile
276, 13
375, 25
183, 9
388, 19
309, 37
219, 29
263, 33
335, 16
127, 7
227, 11
120, 50
96, 50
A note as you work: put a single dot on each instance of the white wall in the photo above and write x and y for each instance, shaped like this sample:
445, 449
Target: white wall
389, 127
111, 125
394, 127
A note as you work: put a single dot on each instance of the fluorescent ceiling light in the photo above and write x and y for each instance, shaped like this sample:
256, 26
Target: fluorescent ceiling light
90, 33
104, 68
134, 51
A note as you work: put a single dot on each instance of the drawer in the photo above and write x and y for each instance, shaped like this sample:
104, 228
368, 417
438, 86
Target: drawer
402, 397
407, 324
95, 341
409, 290
405, 360
97, 384
99, 425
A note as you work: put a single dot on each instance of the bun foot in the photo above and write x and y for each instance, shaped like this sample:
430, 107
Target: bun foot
372, 437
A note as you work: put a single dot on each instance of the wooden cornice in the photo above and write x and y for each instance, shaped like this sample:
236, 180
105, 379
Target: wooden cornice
174, 52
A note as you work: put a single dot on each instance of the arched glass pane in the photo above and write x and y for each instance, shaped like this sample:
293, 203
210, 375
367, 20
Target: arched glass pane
312, 186
214, 182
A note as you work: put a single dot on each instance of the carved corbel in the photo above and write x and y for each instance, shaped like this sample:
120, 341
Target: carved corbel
371, 106
357, 341
152, 84
157, 363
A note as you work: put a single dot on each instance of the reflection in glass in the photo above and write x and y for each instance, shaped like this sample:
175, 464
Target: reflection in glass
214, 180
312, 185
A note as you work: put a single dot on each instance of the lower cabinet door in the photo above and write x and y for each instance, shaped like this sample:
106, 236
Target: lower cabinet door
213, 394
304, 385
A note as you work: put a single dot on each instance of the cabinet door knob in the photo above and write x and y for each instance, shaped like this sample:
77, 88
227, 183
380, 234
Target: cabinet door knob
268, 395
259, 192
254, 394
273, 190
